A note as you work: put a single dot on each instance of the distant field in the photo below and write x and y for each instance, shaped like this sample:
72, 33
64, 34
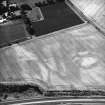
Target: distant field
12, 31
56, 17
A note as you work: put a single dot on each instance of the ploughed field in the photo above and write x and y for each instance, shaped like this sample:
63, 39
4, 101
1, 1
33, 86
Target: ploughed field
94, 10
68, 59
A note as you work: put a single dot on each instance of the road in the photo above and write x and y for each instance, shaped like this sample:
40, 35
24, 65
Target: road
47, 100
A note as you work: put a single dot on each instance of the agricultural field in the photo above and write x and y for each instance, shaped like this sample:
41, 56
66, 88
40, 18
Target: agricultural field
68, 59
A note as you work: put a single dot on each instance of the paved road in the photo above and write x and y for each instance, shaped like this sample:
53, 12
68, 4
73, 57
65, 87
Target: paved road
55, 100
